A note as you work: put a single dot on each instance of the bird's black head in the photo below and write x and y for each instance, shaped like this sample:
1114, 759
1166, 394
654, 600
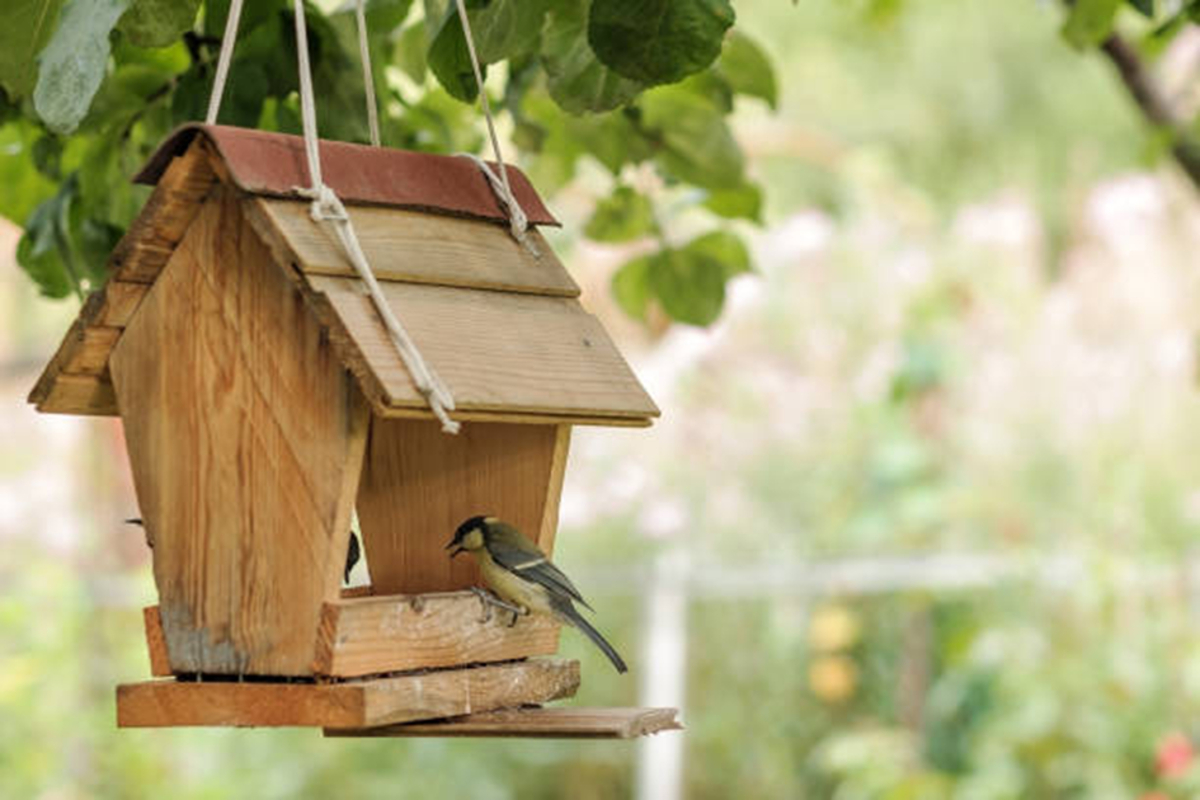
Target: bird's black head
469, 535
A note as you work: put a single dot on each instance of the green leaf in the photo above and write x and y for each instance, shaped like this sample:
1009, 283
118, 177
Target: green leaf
27, 27
577, 80
698, 146
216, 12
24, 186
631, 287
447, 56
1090, 22
723, 247
747, 70
612, 139
44, 251
157, 23
74, 62
1145, 7
658, 41
689, 284
621, 217
409, 54
740, 202
384, 16
507, 28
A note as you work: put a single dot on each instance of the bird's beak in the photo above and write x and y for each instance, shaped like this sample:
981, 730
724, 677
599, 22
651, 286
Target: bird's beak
457, 548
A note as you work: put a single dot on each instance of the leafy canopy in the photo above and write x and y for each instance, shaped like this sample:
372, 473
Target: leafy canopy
644, 89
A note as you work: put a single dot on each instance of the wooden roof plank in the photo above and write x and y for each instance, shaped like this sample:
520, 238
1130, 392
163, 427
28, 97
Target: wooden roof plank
274, 164
495, 351
423, 248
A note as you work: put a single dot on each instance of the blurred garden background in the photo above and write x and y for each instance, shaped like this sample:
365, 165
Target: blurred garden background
920, 517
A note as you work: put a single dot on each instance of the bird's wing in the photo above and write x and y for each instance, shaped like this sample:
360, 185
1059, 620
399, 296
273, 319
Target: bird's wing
514, 551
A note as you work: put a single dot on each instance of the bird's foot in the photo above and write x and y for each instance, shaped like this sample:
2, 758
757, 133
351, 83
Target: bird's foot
487, 600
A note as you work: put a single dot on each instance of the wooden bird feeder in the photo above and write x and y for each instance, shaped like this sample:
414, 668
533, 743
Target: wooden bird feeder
263, 402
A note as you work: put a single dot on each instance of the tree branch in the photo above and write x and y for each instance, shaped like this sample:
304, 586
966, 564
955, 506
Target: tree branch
1154, 106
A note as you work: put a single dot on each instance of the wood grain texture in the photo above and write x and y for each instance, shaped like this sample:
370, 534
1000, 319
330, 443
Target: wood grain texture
84, 395
373, 635
356, 704
496, 351
151, 239
156, 643
422, 248
393, 412
418, 485
120, 300
245, 436
537, 723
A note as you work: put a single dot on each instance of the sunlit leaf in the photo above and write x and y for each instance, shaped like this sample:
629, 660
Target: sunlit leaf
1090, 22
621, 217
698, 146
157, 23
747, 69
27, 27
73, 63
740, 202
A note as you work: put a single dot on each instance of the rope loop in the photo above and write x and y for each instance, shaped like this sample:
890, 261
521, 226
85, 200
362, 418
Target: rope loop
500, 184
518, 221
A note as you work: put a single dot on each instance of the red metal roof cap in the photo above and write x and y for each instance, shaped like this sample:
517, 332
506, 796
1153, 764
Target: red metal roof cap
274, 164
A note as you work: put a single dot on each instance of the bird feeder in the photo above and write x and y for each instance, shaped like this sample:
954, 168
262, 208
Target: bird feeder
263, 403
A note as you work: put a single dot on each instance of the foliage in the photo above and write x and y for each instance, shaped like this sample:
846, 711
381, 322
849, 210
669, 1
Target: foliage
90, 87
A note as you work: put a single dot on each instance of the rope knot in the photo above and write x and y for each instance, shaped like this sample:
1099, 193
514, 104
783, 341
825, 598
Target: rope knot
517, 219
326, 205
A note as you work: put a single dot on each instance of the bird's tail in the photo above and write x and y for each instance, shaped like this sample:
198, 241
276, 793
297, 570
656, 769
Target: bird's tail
568, 613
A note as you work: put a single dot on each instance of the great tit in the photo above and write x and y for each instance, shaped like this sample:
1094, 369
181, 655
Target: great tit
520, 573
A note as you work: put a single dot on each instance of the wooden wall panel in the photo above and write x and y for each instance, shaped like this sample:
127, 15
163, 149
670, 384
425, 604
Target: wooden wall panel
419, 484
245, 435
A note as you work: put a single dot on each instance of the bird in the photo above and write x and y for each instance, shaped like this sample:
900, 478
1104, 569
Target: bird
521, 574
353, 553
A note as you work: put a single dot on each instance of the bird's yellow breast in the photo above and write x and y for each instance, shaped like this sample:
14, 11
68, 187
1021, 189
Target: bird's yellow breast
512, 587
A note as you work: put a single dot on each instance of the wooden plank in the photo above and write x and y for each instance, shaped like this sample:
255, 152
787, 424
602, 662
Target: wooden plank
245, 436
554, 485
147, 245
121, 299
391, 412
134, 263
536, 723
419, 484
86, 395
90, 356
496, 351
423, 248
156, 643
373, 635
354, 704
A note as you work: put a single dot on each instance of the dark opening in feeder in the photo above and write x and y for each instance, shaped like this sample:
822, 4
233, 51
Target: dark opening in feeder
263, 402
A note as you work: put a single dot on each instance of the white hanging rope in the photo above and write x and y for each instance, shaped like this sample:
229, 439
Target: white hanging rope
364, 53
226, 56
327, 207
218, 89
519, 222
